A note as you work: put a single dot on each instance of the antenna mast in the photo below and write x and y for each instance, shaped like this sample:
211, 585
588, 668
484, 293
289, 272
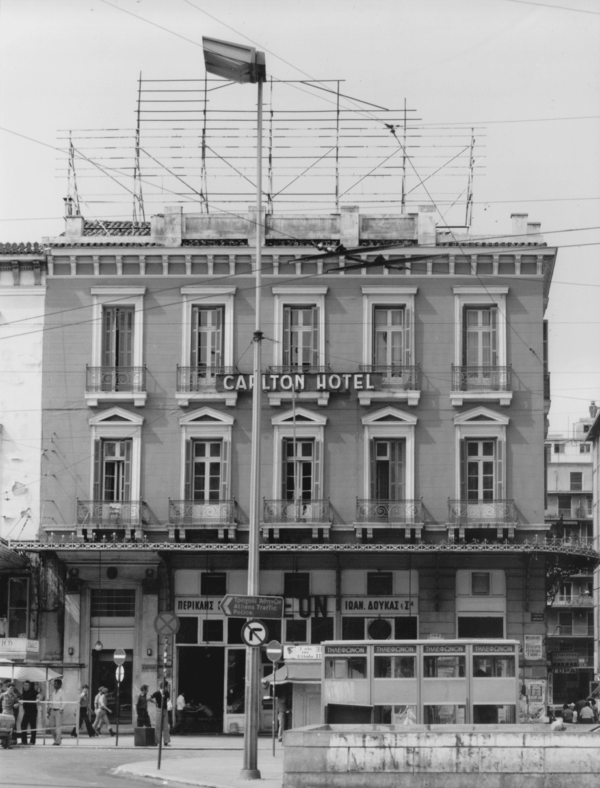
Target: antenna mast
72, 199
403, 195
138, 197
469, 207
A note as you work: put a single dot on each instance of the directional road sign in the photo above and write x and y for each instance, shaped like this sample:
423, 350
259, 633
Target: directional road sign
119, 656
120, 673
274, 650
254, 632
242, 606
166, 624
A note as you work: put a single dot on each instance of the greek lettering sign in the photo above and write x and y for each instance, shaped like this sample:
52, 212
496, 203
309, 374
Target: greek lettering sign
493, 649
19, 648
334, 382
395, 649
345, 651
302, 652
197, 604
444, 649
533, 647
392, 605
243, 606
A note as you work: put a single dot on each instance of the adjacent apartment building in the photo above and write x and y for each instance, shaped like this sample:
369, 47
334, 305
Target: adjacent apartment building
570, 616
404, 401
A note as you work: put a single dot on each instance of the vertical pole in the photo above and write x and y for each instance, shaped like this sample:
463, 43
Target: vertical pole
337, 149
275, 664
403, 195
118, 708
250, 768
203, 179
469, 207
162, 702
78, 720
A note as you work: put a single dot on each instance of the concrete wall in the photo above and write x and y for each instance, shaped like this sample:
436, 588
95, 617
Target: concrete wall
418, 756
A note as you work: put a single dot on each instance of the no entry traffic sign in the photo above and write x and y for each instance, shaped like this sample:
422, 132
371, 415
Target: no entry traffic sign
254, 632
274, 650
166, 624
119, 656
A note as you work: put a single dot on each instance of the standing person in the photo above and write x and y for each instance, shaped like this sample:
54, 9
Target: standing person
282, 710
56, 706
84, 703
141, 707
179, 707
10, 703
586, 715
102, 712
29, 700
162, 715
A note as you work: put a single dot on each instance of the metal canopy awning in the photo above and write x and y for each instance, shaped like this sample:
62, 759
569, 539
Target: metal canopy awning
10, 559
296, 673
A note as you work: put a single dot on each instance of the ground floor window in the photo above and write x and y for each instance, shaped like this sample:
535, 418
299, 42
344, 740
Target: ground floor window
494, 715
481, 626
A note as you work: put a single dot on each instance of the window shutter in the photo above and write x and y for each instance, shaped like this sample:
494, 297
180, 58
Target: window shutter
373, 470
464, 338
108, 337
217, 357
463, 470
284, 446
315, 337
124, 338
97, 470
127, 471
494, 338
407, 336
194, 339
317, 472
287, 336
224, 470
500, 454
187, 490
397, 475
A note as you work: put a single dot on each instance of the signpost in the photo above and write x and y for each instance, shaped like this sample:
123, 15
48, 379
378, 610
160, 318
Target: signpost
254, 632
274, 652
167, 626
245, 606
119, 658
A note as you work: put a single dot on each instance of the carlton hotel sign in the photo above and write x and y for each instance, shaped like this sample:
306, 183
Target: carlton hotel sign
302, 381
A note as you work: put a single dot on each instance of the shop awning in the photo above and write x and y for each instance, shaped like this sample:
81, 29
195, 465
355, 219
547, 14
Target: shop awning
20, 672
296, 672
10, 559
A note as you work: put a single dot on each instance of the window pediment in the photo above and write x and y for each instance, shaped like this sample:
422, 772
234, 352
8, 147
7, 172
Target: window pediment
116, 416
481, 415
204, 416
302, 415
390, 415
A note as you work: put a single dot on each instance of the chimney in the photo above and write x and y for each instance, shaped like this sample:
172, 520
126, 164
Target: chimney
593, 409
73, 227
519, 225
349, 225
426, 221
533, 231
173, 225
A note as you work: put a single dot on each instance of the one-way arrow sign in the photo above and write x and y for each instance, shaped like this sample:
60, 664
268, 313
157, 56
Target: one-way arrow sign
240, 606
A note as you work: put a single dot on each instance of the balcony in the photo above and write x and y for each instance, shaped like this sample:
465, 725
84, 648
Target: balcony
115, 384
495, 514
111, 516
398, 383
202, 516
471, 384
199, 384
574, 600
572, 513
288, 515
292, 392
372, 514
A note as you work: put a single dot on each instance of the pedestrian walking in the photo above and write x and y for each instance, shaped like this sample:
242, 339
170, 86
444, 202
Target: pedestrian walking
141, 708
56, 707
162, 715
29, 719
282, 710
102, 712
10, 704
84, 703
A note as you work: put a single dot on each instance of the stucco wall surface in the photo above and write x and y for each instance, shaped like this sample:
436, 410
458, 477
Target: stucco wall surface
449, 756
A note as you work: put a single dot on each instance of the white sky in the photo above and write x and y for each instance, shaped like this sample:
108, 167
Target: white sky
75, 64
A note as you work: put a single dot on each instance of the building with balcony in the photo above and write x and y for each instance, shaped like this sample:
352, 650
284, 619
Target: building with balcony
593, 437
570, 614
403, 416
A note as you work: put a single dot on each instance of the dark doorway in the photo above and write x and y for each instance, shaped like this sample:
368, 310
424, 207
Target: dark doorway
338, 714
104, 675
201, 674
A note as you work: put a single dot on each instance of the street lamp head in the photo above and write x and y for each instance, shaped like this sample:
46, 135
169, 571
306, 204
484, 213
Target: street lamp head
233, 61
98, 645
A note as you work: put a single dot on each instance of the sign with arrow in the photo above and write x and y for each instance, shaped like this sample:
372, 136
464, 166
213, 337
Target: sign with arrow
254, 632
242, 606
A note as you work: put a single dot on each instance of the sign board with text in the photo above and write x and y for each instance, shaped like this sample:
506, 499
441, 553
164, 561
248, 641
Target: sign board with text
244, 606
305, 652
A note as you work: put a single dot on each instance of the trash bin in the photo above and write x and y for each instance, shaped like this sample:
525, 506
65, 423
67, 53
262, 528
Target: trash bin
144, 737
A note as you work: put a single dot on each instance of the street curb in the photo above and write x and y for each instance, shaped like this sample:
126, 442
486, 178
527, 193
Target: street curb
125, 769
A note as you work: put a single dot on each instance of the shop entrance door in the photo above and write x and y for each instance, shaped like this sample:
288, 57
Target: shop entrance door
104, 675
235, 689
200, 676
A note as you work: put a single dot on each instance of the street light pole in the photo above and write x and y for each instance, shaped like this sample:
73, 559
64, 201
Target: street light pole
245, 64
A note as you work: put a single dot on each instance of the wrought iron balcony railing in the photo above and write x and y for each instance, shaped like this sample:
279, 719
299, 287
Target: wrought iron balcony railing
201, 378
201, 514
311, 511
575, 600
396, 377
481, 378
572, 513
481, 513
402, 513
300, 369
111, 514
113, 379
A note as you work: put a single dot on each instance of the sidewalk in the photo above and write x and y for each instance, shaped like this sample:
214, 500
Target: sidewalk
209, 769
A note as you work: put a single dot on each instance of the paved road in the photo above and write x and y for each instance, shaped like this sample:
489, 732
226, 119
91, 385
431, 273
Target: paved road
67, 767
